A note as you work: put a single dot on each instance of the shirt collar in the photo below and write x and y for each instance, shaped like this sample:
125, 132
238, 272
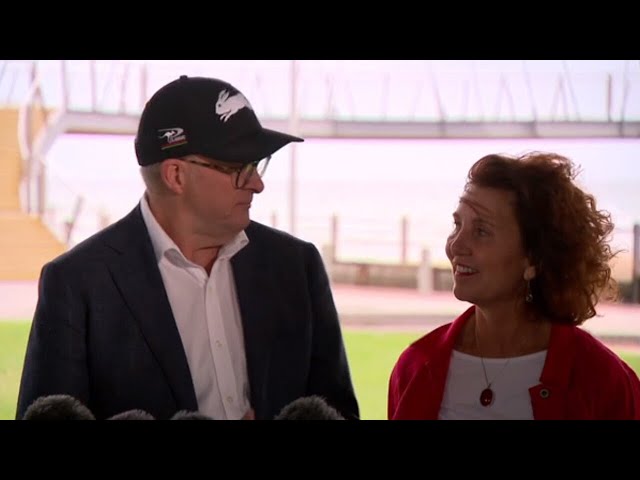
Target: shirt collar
163, 244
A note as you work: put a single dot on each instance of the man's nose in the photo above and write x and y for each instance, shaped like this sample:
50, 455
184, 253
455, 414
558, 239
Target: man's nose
255, 183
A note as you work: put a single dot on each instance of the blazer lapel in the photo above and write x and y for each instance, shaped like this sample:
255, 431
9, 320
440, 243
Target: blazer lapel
138, 279
252, 290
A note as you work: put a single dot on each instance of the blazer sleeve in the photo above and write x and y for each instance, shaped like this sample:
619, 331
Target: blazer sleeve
329, 375
55, 358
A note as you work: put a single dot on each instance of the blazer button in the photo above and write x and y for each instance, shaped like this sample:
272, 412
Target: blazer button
544, 393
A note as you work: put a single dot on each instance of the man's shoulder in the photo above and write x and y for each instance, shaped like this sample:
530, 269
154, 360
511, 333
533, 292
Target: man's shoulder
96, 244
261, 232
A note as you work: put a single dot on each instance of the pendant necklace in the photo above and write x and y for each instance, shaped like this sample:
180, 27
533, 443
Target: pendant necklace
487, 395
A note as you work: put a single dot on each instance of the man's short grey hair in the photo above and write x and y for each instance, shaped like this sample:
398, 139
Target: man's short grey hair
152, 178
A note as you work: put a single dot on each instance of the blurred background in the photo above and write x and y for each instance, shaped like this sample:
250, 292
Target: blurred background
388, 145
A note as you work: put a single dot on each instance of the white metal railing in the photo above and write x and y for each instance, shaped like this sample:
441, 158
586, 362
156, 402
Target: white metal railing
377, 91
382, 91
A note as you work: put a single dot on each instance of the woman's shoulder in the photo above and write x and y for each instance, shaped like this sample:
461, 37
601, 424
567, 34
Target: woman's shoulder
593, 354
605, 374
441, 339
587, 344
427, 341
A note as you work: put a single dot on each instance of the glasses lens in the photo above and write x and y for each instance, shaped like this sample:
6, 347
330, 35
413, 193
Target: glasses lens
245, 174
262, 165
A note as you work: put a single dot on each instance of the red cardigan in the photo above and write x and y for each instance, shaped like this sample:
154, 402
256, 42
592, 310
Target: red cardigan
581, 378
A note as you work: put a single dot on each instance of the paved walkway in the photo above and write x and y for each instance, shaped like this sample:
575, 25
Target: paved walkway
402, 309
382, 308
18, 300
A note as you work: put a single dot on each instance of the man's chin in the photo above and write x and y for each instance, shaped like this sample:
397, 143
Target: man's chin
242, 224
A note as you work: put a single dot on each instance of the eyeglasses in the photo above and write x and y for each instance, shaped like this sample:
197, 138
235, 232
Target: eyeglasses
242, 173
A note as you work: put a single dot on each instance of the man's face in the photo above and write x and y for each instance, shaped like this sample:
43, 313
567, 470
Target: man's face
218, 207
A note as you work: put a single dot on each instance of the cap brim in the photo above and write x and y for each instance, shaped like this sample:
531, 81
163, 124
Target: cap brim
255, 147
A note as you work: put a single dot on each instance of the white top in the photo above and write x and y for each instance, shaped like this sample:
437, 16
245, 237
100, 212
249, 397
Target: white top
207, 314
510, 378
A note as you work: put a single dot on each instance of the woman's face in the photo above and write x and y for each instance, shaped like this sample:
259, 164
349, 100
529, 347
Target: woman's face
485, 248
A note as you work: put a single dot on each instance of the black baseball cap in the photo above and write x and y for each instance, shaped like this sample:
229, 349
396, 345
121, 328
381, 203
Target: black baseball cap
206, 116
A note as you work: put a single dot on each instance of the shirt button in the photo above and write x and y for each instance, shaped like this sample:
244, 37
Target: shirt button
218, 343
544, 393
229, 399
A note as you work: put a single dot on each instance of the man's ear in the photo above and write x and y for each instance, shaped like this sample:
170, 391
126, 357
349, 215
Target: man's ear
173, 174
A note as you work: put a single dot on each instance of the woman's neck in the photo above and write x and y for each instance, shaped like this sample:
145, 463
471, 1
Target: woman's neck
504, 332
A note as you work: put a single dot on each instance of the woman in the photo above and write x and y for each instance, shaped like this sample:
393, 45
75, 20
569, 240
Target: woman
529, 251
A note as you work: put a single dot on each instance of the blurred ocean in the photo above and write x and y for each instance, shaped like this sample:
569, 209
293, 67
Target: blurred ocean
368, 185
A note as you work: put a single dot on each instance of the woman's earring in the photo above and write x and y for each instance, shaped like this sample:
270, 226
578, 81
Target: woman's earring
529, 296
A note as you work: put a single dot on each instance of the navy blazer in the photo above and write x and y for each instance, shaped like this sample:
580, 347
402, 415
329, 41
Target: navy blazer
104, 332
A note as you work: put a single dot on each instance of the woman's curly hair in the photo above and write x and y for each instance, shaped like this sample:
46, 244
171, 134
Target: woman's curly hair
564, 234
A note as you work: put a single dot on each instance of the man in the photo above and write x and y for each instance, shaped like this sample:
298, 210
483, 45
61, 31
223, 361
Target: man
185, 303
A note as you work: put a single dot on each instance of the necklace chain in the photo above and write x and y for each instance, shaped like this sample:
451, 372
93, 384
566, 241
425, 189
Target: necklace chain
484, 369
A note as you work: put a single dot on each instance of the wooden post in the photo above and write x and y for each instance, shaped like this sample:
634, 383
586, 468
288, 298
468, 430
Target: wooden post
609, 96
635, 278
274, 219
334, 235
404, 239
124, 81
425, 273
293, 129
93, 85
143, 86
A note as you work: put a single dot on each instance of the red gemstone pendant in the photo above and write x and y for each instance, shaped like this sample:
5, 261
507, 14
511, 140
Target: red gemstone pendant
486, 397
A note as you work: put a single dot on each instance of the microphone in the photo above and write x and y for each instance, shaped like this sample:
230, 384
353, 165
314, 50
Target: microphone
135, 414
187, 415
57, 407
309, 408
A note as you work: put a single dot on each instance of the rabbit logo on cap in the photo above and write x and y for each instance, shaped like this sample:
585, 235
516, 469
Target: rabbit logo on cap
228, 105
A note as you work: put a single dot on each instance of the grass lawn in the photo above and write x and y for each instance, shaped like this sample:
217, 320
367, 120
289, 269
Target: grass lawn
371, 355
13, 341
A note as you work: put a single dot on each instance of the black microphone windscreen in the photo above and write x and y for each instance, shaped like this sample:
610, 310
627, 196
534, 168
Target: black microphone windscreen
57, 407
309, 408
187, 415
135, 414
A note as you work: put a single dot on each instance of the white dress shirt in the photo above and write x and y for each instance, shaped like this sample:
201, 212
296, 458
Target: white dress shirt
206, 311
510, 378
